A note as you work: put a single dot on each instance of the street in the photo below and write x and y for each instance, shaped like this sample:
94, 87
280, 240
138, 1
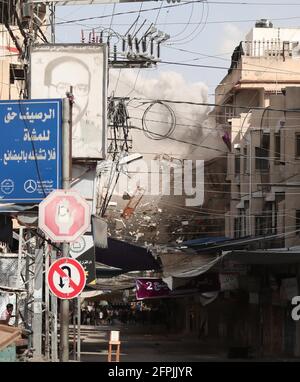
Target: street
138, 345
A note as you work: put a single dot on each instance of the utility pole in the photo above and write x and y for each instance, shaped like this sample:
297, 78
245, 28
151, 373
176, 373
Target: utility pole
67, 174
250, 184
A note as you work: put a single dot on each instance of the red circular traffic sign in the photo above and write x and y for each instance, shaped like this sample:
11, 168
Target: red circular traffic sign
66, 278
64, 216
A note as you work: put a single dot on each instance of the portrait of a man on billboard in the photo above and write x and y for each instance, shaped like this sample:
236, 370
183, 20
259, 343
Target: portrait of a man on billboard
84, 69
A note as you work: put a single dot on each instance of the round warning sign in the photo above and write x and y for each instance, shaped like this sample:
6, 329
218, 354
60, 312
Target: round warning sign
66, 278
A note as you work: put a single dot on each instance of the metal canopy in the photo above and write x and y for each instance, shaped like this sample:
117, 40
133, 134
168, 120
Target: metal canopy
86, 2
265, 257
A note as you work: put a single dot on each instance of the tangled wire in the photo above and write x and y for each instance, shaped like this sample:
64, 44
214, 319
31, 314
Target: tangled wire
151, 134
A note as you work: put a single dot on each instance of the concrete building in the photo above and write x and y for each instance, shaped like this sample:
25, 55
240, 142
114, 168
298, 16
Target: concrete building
16, 18
259, 111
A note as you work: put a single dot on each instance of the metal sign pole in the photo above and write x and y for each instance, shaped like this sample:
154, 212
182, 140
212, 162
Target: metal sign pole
37, 323
74, 329
47, 306
54, 357
66, 170
78, 328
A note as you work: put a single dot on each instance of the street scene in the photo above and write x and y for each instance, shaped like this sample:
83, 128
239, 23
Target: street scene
149, 182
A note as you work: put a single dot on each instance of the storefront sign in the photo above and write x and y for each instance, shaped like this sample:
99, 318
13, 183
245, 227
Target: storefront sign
151, 288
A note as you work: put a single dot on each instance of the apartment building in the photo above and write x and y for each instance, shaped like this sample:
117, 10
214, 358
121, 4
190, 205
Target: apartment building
259, 109
17, 18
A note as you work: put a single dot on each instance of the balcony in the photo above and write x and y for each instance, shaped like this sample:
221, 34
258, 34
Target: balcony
269, 48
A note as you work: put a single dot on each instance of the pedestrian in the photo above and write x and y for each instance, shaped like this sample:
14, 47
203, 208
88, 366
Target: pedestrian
7, 314
101, 316
84, 316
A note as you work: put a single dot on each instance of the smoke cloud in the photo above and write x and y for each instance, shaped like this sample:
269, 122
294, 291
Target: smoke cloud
191, 121
163, 215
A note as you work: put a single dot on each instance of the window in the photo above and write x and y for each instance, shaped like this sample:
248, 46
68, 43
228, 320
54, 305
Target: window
298, 221
277, 148
237, 228
266, 223
261, 159
265, 141
237, 163
229, 112
297, 145
258, 225
245, 160
262, 153
270, 218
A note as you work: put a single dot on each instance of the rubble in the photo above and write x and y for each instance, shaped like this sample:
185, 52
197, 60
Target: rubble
119, 224
139, 235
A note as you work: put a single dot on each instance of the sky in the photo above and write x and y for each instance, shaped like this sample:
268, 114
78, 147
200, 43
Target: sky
198, 31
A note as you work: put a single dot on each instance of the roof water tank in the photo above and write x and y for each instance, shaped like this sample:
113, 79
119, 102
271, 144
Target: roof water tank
263, 23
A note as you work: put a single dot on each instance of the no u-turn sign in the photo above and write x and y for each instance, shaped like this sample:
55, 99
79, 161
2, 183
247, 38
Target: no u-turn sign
66, 278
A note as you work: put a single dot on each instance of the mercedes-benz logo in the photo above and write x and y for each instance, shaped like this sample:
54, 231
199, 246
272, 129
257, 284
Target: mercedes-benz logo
30, 186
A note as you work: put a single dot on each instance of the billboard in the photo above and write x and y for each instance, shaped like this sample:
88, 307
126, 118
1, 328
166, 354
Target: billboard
56, 67
30, 149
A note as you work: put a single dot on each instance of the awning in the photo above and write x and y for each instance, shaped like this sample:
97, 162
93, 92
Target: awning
91, 293
264, 257
186, 262
230, 244
108, 273
205, 240
12, 208
115, 283
126, 256
180, 265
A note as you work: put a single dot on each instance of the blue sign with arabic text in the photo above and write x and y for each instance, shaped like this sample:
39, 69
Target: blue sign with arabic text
30, 149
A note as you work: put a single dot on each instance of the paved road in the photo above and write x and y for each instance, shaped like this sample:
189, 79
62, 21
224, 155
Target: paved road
138, 345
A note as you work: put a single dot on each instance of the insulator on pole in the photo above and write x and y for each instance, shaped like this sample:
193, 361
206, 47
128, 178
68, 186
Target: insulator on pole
108, 46
129, 41
151, 46
144, 44
137, 45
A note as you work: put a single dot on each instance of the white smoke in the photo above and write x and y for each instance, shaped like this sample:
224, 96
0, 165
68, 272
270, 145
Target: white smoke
158, 213
192, 124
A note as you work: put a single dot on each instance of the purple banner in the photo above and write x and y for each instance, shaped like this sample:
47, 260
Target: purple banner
151, 288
